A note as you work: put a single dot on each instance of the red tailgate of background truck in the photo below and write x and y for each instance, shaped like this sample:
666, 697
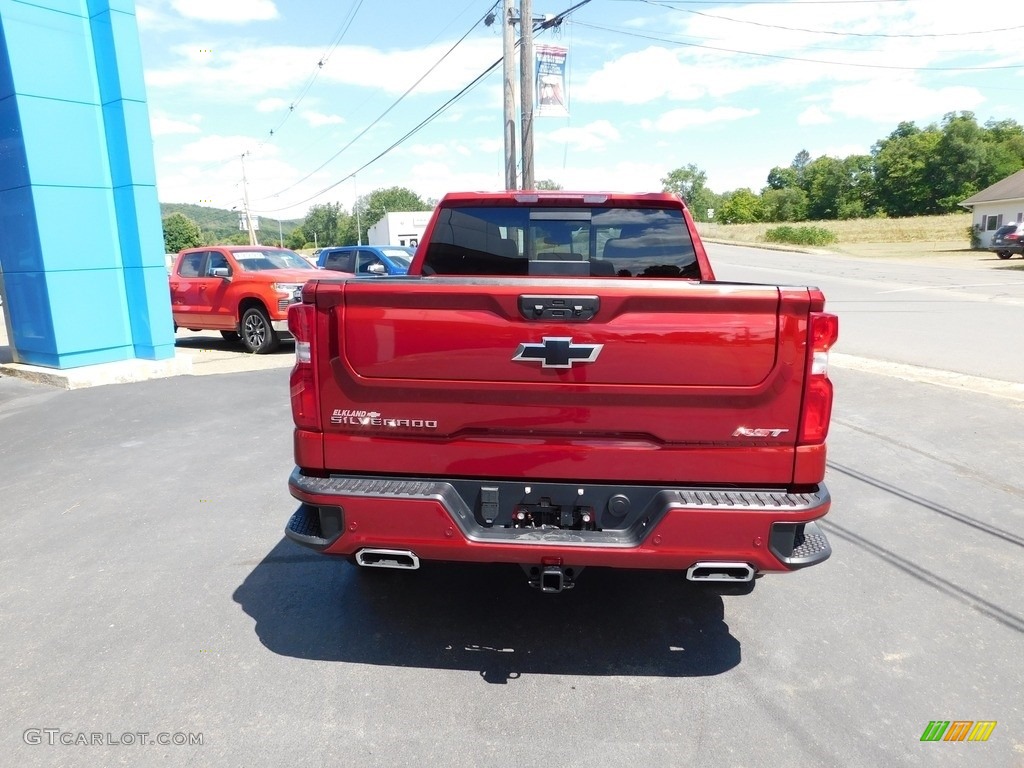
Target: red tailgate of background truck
560, 382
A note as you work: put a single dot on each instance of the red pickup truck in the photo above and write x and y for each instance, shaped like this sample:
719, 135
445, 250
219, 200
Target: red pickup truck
560, 382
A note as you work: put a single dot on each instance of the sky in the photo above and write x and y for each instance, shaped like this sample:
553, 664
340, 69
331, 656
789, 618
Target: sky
321, 101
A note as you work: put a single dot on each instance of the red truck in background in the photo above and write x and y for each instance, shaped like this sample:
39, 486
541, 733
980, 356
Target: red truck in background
560, 382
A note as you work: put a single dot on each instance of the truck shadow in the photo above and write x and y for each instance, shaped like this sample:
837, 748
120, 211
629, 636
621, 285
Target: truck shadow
486, 619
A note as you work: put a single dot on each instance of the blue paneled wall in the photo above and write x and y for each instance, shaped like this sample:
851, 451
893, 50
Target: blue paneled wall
81, 244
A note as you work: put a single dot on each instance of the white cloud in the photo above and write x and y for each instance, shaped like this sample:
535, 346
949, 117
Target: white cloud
237, 73
434, 179
161, 125
488, 146
813, 116
639, 78
625, 176
271, 105
593, 136
317, 119
213, 148
427, 150
679, 119
230, 11
890, 101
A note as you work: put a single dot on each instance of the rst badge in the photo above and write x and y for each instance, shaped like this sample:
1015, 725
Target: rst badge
757, 432
557, 352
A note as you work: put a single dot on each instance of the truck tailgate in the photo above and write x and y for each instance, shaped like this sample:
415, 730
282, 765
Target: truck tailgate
657, 381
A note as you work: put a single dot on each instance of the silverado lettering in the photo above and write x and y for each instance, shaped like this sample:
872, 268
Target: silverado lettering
584, 374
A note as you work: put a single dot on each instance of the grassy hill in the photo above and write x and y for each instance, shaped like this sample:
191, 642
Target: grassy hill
952, 228
218, 224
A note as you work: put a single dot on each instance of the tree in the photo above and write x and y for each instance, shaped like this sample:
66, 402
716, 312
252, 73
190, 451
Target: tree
374, 206
690, 183
296, 239
786, 204
902, 187
741, 206
961, 159
799, 165
782, 178
321, 224
180, 232
548, 184
856, 200
825, 182
347, 234
1005, 139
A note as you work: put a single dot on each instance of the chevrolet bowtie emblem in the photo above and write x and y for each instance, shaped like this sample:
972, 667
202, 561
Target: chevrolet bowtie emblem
557, 352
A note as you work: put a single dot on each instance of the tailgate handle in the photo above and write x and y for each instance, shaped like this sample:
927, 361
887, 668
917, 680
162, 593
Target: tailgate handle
576, 309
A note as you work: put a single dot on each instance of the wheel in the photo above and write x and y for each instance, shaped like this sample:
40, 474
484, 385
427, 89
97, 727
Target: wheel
1003, 254
195, 330
258, 336
230, 335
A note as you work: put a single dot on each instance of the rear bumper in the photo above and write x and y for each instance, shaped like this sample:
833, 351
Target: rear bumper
674, 528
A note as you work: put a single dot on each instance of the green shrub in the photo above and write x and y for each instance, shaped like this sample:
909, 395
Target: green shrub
974, 233
801, 235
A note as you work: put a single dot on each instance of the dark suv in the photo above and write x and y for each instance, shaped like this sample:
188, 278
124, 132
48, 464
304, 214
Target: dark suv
1008, 240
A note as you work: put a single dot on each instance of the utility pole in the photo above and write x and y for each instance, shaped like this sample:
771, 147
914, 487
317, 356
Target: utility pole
355, 206
526, 89
245, 204
508, 42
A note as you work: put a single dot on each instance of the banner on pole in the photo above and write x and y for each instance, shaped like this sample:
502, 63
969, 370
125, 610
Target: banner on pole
549, 79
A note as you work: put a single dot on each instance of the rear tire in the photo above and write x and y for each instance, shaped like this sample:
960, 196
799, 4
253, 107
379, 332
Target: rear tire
1003, 254
258, 335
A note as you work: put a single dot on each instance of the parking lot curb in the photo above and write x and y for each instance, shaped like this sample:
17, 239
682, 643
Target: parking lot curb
121, 372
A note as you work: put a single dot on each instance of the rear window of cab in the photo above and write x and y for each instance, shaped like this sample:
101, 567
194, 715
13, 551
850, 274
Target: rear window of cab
591, 242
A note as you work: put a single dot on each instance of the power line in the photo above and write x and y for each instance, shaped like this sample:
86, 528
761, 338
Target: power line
311, 80
332, 46
423, 124
539, 27
798, 58
670, 7
384, 114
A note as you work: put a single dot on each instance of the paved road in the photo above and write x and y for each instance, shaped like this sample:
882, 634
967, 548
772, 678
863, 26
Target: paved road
145, 586
965, 319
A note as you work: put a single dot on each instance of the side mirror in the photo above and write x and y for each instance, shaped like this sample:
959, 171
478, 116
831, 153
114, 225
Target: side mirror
222, 272
377, 269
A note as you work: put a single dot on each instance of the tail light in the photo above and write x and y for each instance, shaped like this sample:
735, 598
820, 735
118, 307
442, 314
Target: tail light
305, 403
823, 332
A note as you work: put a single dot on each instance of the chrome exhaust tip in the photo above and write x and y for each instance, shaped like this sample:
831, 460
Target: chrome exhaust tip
732, 572
401, 559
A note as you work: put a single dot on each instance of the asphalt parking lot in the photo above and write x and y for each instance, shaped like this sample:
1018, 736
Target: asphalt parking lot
148, 595
147, 587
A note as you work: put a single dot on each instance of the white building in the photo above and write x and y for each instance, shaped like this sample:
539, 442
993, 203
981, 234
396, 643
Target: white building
1002, 203
401, 228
